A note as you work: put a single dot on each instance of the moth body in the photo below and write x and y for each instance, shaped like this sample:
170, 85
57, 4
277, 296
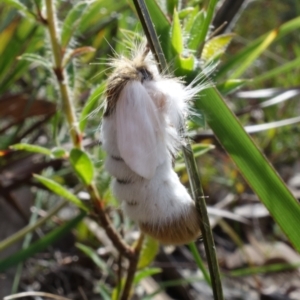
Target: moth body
140, 133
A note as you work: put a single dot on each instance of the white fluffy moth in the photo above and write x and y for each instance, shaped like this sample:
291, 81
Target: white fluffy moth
140, 132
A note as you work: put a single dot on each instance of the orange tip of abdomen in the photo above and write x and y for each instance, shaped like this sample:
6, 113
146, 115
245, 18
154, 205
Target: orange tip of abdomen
181, 230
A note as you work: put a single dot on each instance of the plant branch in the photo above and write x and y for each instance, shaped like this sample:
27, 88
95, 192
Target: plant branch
61, 75
69, 111
114, 236
132, 268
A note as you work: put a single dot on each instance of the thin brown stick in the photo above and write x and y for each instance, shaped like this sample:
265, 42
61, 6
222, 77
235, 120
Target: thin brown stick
114, 236
132, 268
69, 111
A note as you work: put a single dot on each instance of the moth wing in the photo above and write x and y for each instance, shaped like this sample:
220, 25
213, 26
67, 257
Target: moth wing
137, 127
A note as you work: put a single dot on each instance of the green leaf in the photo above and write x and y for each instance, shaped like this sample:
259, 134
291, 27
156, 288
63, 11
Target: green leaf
230, 86
59, 152
82, 165
264, 269
103, 290
90, 105
99, 13
207, 21
40, 244
71, 23
92, 254
149, 250
199, 262
216, 46
145, 273
239, 58
6, 38
31, 148
279, 70
255, 168
171, 6
42, 61
61, 191
194, 38
188, 24
254, 54
184, 65
20, 6
185, 12
176, 35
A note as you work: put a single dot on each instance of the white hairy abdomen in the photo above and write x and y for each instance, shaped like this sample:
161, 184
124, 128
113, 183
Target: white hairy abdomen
155, 200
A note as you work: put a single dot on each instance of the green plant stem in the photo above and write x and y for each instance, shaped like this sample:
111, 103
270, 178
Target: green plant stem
208, 240
69, 111
132, 268
195, 183
61, 75
22, 233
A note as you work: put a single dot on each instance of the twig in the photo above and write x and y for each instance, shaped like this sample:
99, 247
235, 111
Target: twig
61, 75
105, 222
36, 294
69, 111
208, 240
132, 268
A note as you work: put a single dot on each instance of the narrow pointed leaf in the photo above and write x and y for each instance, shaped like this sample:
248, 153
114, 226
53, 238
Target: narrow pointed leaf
145, 273
61, 191
295, 63
36, 59
31, 148
20, 6
149, 250
176, 36
82, 165
189, 22
98, 261
185, 12
90, 106
240, 57
254, 54
41, 244
194, 39
230, 86
255, 168
216, 46
71, 23
207, 21
171, 6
